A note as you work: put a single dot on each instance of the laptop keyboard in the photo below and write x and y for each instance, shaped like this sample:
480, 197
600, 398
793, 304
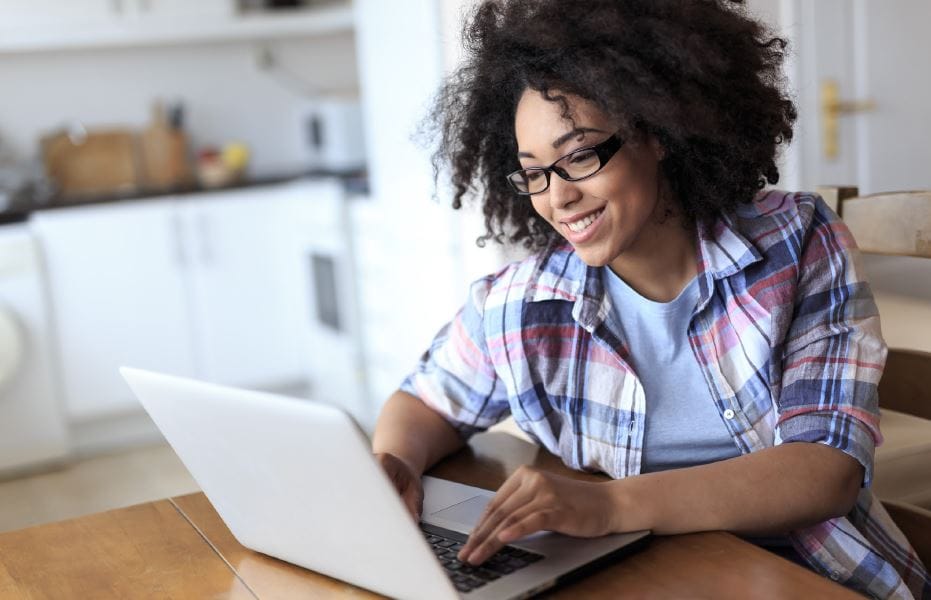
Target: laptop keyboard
446, 545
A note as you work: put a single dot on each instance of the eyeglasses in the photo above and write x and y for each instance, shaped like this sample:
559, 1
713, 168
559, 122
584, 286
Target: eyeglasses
575, 166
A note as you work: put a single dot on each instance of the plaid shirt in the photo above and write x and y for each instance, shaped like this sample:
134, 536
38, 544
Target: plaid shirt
786, 333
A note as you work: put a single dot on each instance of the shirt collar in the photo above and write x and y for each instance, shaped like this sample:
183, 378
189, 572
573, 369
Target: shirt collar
723, 250
561, 275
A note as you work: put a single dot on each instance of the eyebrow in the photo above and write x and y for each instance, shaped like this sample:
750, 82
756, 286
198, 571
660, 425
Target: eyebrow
563, 139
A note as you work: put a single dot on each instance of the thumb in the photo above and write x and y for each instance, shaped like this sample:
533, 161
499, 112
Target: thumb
414, 501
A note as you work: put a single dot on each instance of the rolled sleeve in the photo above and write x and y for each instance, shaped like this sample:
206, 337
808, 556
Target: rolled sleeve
456, 377
834, 351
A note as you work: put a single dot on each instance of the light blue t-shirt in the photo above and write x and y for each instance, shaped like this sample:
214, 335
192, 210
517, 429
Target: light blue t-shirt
683, 427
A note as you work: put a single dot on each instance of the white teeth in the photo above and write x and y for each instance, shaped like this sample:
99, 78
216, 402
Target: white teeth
582, 224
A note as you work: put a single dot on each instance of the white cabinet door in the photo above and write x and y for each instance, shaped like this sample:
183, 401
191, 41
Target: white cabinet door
118, 298
36, 14
243, 311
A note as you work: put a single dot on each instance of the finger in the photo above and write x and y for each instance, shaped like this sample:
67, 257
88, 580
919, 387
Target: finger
487, 522
524, 524
504, 493
490, 521
413, 498
531, 518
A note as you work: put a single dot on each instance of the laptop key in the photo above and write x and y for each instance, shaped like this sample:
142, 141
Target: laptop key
503, 569
486, 574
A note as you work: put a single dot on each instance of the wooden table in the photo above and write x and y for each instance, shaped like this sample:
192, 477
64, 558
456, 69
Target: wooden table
180, 549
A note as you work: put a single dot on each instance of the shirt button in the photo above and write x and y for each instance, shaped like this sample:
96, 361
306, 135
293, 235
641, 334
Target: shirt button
729, 414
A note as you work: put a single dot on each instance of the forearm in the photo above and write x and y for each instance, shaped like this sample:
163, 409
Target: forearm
769, 492
415, 433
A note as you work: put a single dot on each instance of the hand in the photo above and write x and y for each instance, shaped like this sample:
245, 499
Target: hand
532, 500
406, 481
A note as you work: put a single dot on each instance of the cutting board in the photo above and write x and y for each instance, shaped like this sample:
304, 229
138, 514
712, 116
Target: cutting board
101, 162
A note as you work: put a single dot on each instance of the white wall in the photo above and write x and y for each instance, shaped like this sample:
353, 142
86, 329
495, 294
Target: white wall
226, 95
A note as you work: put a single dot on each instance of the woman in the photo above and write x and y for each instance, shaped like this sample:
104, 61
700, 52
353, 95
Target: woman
714, 349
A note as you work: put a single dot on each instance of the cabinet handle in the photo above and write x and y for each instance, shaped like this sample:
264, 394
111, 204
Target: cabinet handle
203, 235
180, 251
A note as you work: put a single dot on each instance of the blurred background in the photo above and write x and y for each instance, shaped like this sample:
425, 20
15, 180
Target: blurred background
229, 190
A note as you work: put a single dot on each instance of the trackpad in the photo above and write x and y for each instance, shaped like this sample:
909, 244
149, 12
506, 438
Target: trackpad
466, 513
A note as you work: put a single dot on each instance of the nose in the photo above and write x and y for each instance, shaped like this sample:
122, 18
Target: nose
562, 193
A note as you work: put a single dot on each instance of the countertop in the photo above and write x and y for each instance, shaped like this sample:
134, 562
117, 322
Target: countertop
355, 182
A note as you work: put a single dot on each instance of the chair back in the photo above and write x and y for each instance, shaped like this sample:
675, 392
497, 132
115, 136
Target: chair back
915, 523
906, 382
897, 223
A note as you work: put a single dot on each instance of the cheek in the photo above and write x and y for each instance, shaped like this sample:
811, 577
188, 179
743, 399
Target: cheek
541, 206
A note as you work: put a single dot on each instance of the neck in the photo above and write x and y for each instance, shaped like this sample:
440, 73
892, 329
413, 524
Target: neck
661, 262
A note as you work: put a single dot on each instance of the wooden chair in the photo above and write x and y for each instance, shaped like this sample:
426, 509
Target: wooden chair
897, 223
915, 523
906, 383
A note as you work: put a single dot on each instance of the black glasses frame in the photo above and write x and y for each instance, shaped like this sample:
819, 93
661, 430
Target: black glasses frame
603, 150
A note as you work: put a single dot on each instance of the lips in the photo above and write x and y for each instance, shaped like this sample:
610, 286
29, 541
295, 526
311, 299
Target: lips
582, 227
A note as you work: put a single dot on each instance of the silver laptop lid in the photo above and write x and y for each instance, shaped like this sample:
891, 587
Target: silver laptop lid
275, 470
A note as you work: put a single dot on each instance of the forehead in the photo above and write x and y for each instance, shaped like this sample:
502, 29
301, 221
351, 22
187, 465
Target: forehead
540, 121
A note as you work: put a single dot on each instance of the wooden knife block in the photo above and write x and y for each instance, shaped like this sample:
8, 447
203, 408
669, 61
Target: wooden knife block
164, 157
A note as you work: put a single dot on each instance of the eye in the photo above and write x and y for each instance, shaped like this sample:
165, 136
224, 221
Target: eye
532, 176
582, 158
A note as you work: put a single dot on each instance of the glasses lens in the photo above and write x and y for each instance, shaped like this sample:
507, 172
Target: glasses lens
580, 164
528, 181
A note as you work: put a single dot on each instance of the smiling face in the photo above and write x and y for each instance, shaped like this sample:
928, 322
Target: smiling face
607, 214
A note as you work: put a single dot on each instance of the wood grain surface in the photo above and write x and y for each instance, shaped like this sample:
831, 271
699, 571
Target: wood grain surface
144, 551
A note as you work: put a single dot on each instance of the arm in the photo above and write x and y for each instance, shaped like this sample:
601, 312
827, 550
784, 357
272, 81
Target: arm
453, 393
412, 431
769, 492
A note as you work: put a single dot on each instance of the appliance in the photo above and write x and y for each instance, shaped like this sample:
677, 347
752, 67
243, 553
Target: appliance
328, 313
33, 427
297, 480
333, 139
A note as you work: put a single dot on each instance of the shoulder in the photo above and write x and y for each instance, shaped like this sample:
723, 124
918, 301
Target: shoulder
777, 219
553, 272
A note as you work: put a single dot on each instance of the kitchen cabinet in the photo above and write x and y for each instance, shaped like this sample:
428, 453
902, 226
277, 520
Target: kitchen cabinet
54, 25
242, 292
118, 298
196, 285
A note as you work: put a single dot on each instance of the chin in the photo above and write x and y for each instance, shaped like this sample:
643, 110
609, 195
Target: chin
593, 257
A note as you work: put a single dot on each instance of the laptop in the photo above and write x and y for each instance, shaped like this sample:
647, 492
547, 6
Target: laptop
296, 480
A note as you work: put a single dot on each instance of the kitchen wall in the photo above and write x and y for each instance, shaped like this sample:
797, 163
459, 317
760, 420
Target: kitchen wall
226, 94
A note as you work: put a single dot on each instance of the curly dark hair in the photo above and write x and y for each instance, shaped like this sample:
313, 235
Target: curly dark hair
701, 76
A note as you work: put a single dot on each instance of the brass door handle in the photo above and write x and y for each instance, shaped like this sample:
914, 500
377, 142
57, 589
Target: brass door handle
832, 107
